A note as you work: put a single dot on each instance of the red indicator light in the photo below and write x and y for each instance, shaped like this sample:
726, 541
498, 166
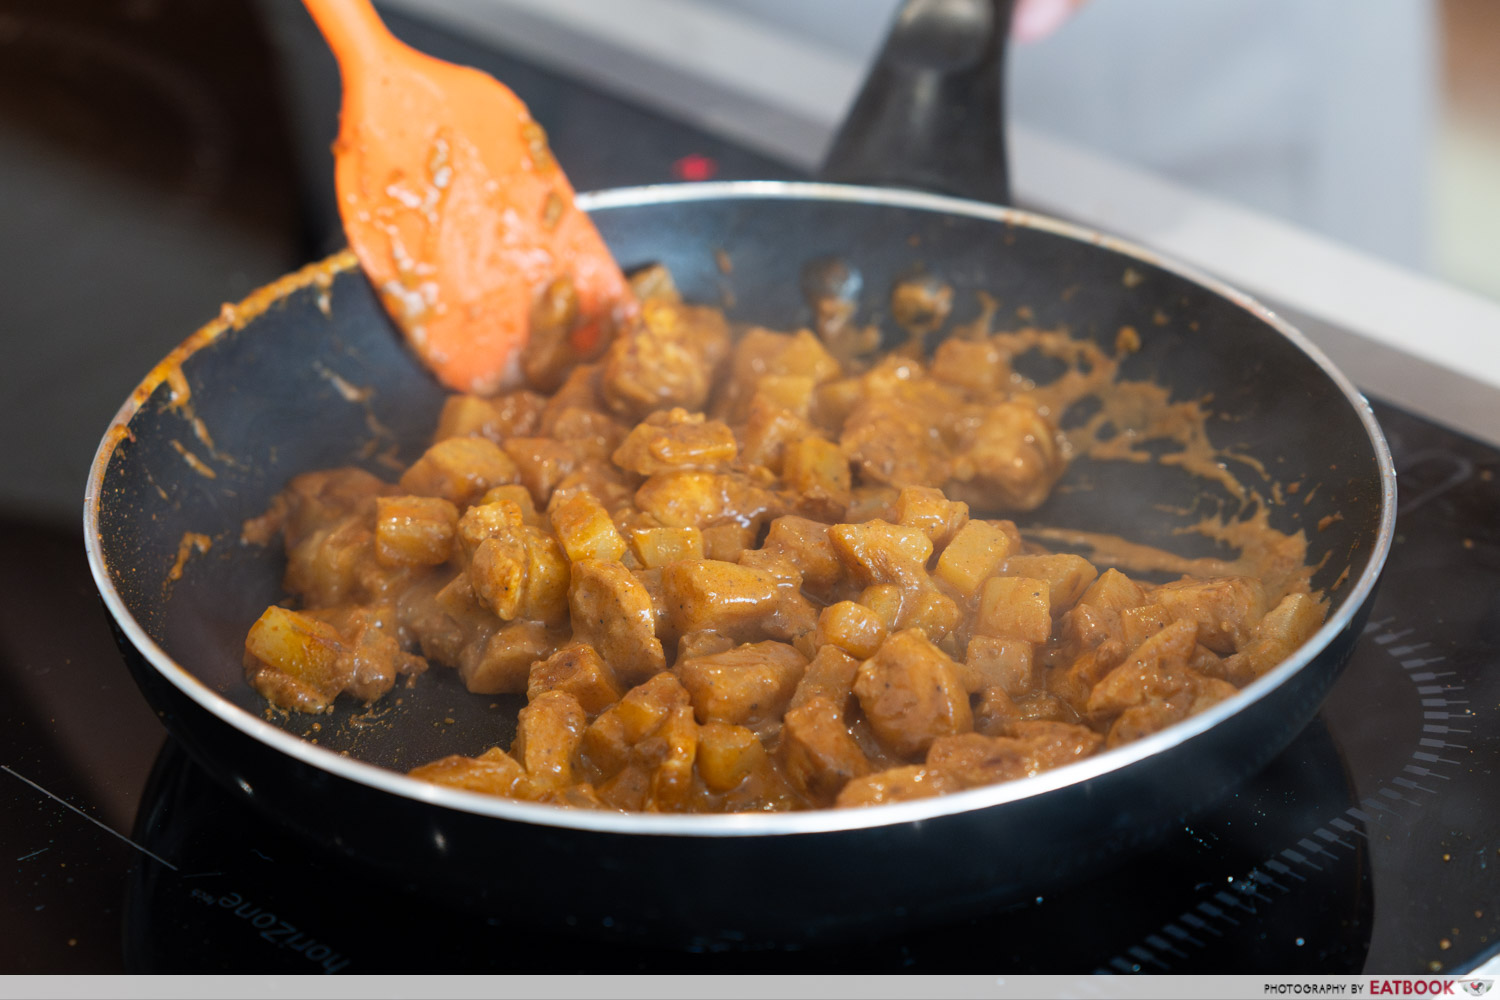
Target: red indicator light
694, 167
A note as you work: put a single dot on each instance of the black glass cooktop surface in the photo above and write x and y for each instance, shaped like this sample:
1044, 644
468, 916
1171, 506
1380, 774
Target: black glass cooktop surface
1371, 844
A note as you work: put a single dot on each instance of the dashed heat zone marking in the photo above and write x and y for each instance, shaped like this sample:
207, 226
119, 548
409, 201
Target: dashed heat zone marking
1222, 912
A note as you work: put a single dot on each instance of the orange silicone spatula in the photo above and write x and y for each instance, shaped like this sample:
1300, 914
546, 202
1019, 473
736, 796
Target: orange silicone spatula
455, 207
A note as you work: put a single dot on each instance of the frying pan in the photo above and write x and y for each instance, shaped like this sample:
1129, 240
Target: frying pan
308, 373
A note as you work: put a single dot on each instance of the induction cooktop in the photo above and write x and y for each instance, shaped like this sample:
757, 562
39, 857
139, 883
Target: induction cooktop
1372, 843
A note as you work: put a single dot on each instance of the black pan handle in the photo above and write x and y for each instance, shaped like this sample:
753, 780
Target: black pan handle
931, 114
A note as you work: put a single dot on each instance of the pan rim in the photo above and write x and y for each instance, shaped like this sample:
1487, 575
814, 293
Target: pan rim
753, 824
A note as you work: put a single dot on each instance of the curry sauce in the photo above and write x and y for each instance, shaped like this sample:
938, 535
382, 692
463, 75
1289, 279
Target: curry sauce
775, 571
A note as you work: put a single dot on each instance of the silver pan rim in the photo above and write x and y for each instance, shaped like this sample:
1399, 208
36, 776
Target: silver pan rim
812, 821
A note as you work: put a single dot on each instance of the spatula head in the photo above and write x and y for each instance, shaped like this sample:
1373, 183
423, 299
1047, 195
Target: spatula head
461, 217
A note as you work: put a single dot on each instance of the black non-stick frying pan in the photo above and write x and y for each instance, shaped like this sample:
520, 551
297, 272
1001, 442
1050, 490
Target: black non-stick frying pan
309, 373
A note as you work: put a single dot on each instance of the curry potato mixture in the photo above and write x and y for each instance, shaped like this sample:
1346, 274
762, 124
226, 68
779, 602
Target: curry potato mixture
768, 572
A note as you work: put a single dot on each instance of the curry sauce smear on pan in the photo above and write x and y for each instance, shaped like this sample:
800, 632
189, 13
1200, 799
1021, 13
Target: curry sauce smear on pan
773, 572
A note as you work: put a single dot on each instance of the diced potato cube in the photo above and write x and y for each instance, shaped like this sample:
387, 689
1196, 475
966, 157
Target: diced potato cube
885, 600
1004, 663
580, 672
746, 685
760, 353
815, 465
517, 494
659, 546
912, 693
459, 469
929, 511
727, 755
1014, 607
645, 706
585, 529
1113, 590
547, 577
1067, 576
497, 418
493, 772
805, 355
605, 745
629, 790
414, 531
974, 555
829, 675
852, 627
709, 595
817, 752
299, 646
789, 392
1087, 626
500, 664
463, 416
929, 609
549, 733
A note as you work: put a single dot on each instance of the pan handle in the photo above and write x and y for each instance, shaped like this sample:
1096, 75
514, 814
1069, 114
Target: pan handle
931, 114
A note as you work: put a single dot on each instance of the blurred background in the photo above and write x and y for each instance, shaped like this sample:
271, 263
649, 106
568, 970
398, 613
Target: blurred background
160, 157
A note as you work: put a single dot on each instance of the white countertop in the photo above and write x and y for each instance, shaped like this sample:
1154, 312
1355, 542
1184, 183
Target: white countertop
1401, 335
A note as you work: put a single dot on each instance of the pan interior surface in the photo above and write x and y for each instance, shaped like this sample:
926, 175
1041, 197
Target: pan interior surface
319, 379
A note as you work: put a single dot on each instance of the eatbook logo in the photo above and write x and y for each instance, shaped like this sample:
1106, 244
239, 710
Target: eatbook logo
1430, 987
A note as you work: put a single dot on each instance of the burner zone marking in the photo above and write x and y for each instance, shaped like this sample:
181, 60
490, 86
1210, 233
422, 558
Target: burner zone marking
1389, 802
